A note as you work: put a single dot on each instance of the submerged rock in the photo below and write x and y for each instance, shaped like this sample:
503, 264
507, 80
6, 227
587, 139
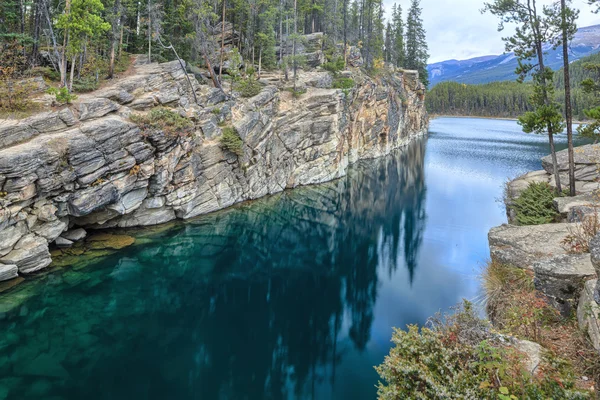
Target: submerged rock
110, 241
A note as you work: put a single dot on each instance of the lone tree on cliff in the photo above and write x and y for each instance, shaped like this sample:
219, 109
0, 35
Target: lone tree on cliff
535, 27
416, 42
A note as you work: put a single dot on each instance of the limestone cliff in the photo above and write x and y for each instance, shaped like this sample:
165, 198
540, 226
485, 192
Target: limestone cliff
90, 166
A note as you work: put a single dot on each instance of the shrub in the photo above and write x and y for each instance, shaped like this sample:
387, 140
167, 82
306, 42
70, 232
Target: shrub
15, 96
248, 87
517, 309
343, 83
335, 65
535, 206
87, 84
231, 141
163, 119
458, 357
62, 95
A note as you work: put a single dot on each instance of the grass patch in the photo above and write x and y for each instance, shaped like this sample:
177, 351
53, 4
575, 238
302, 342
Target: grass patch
163, 119
517, 309
535, 205
458, 356
231, 141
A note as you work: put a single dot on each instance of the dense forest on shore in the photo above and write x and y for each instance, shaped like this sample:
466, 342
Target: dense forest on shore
75, 44
509, 99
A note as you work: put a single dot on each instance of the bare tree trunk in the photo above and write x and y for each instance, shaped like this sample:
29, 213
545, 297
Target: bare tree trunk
568, 107
259, 61
345, 33
294, 42
72, 72
121, 41
57, 55
63, 74
113, 42
149, 34
222, 41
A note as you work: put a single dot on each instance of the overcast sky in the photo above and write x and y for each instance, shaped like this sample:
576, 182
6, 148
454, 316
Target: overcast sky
457, 30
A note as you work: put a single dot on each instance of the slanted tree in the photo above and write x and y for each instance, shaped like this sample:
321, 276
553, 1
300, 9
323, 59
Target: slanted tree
535, 27
567, 19
416, 42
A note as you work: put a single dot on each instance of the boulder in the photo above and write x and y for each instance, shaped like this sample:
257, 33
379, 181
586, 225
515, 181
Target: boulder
523, 246
595, 257
63, 243
8, 272
29, 255
586, 162
562, 278
533, 354
588, 313
75, 235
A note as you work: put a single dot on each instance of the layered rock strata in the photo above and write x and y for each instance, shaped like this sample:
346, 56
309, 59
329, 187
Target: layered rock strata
90, 166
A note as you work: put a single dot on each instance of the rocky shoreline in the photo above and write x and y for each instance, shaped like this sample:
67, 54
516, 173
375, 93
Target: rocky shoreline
568, 277
89, 166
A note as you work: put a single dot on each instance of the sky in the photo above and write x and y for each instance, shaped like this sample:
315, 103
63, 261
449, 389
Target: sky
457, 30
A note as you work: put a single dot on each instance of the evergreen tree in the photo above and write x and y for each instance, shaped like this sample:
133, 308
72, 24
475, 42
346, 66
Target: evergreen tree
416, 42
399, 50
535, 27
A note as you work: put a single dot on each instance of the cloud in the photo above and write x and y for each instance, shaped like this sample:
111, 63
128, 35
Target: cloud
456, 29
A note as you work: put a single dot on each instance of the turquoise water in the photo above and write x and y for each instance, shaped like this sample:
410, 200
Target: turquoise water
289, 297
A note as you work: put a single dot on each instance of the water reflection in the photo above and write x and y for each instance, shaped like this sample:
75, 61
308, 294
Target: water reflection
257, 302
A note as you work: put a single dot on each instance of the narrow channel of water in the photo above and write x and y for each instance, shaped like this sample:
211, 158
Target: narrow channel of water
289, 297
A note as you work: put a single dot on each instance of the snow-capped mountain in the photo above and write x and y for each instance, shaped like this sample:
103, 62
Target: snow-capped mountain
499, 68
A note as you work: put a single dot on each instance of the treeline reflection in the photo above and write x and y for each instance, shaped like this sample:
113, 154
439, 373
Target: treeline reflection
249, 303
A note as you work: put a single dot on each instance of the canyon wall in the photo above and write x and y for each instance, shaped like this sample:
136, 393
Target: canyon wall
90, 166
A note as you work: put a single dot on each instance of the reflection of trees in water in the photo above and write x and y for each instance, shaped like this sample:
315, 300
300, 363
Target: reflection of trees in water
246, 303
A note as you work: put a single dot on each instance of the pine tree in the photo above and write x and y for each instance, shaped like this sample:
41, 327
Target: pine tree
532, 32
416, 42
399, 50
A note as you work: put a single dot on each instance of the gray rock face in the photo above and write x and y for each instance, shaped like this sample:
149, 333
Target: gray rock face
562, 279
8, 272
523, 246
588, 313
95, 168
595, 257
586, 162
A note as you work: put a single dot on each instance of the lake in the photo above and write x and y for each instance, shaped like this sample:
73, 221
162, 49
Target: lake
289, 297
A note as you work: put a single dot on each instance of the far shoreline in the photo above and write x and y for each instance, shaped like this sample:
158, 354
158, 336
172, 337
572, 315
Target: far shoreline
437, 116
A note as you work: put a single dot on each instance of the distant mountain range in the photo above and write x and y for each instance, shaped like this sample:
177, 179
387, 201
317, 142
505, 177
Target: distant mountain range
501, 68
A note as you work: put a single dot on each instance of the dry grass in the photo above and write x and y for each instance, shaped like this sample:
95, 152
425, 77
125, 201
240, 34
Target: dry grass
578, 239
516, 308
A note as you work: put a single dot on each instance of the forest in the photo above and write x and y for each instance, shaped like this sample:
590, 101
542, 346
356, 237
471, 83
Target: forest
510, 99
76, 44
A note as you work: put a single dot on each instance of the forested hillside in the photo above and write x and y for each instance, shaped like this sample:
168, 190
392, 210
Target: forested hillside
507, 98
75, 44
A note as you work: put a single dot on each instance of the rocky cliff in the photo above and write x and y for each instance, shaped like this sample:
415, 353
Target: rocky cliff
90, 166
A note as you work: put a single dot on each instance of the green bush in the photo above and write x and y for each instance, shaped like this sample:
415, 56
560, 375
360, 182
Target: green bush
249, 87
535, 206
164, 119
231, 141
335, 65
83, 85
343, 83
62, 95
460, 358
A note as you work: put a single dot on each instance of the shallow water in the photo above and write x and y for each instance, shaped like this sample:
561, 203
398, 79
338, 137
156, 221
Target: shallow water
289, 297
